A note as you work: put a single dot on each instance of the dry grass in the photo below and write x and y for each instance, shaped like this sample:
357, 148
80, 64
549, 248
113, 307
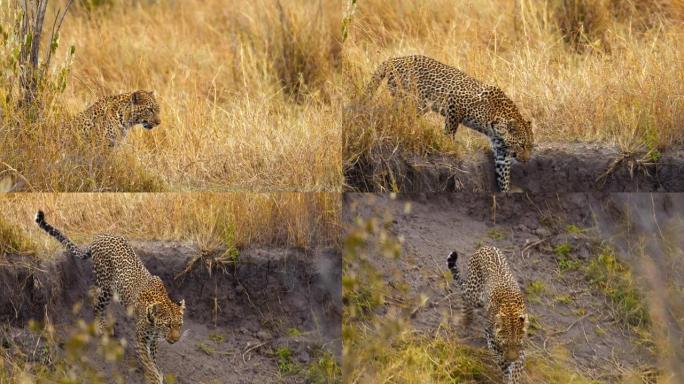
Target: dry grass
210, 220
601, 71
249, 94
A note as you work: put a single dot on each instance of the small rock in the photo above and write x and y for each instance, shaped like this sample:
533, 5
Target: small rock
583, 252
542, 232
304, 357
264, 335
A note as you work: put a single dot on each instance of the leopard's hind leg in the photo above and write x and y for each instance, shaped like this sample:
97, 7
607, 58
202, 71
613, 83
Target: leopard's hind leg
104, 292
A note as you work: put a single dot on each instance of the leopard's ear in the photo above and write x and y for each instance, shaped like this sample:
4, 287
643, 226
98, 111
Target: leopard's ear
137, 97
181, 304
152, 312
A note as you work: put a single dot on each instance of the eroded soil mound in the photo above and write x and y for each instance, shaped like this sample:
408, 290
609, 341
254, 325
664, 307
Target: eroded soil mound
268, 318
552, 168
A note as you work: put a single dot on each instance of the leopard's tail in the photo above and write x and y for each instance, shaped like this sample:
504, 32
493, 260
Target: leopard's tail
451, 263
378, 76
52, 231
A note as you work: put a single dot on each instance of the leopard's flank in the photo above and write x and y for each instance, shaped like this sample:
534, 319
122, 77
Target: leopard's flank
109, 119
118, 270
489, 283
461, 99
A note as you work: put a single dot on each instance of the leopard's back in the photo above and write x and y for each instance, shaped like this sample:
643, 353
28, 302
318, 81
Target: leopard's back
117, 265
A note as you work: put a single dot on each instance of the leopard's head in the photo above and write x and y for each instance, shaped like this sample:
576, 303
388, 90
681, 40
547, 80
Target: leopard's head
510, 330
143, 109
520, 138
167, 316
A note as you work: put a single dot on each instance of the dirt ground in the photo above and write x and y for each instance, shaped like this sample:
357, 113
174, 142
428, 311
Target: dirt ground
576, 167
569, 314
236, 317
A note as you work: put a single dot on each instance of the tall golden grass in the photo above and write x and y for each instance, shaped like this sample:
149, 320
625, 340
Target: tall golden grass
249, 94
604, 71
209, 220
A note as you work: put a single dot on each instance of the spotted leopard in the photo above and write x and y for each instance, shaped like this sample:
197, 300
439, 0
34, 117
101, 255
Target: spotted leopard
118, 270
461, 99
490, 283
109, 119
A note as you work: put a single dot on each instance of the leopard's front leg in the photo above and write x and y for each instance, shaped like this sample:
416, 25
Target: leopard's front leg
146, 348
513, 370
502, 163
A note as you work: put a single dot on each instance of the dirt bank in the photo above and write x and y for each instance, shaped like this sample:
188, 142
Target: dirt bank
237, 317
549, 240
552, 168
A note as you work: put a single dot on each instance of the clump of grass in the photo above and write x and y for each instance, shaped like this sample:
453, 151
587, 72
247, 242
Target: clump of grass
567, 264
304, 51
13, 240
562, 249
616, 281
285, 363
324, 370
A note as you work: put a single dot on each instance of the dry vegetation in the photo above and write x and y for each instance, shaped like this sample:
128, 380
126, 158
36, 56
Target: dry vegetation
249, 94
210, 220
606, 71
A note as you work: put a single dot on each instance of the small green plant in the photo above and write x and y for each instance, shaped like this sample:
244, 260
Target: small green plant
207, 349
563, 299
231, 252
572, 228
294, 332
616, 281
562, 249
285, 363
535, 289
567, 264
651, 141
496, 234
217, 337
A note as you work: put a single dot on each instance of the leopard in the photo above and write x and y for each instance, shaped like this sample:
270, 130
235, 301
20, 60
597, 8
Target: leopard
107, 121
489, 283
462, 100
120, 273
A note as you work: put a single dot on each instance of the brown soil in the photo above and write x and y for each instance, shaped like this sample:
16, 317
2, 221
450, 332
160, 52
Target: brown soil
527, 228
552, 168
243, 313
